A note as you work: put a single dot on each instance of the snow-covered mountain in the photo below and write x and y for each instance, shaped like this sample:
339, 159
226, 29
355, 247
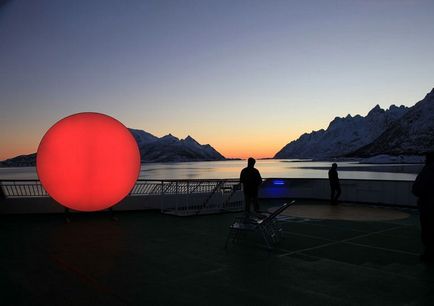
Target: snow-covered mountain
412, 134
171, 149
152, 149
343, 135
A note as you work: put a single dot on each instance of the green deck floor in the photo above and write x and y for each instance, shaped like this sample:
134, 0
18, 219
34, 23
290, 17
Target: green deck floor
147, 258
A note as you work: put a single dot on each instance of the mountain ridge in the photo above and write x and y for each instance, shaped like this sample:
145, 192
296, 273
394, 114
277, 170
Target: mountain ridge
152, 149
413, 134
343, 134
172, 149
398, 130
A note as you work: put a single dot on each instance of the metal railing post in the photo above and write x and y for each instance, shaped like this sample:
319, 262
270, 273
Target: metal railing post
176, 194
188, 194
161, 196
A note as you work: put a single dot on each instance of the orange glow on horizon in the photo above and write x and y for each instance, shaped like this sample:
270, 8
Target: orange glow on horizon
256, 153
228, 150
258, 145
261, 145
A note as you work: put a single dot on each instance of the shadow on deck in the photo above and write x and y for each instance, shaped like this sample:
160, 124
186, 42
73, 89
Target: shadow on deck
155, 259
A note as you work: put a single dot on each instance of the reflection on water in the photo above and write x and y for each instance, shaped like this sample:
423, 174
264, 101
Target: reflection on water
268, 168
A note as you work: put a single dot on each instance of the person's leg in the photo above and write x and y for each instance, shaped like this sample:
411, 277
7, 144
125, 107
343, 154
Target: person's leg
246, 204
429, 232
338, 193
423, 229
255, 203
332, 194
426, 234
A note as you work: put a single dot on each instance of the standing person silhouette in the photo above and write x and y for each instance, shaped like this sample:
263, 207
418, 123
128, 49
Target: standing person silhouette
335, 185
423, 188
251, 179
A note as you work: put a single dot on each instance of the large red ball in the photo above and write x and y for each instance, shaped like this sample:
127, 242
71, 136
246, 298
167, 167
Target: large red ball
88, 161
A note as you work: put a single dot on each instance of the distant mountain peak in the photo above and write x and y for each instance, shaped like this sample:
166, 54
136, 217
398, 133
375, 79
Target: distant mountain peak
191, 140
394, 108
376, 110
169, 137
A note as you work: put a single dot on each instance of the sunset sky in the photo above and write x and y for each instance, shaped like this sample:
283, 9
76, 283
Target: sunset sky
246, 77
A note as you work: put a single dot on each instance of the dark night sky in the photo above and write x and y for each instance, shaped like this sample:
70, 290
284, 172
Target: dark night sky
245, 76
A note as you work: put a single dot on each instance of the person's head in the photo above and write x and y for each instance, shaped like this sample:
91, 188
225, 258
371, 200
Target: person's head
251, 162
334, 165
429, 158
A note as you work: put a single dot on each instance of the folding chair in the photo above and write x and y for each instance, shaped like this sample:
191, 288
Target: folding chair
268, 228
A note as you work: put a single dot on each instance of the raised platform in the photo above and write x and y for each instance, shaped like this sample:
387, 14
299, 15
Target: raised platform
147, 258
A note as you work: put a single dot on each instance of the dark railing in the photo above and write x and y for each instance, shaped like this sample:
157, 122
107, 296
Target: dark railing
23, 189
179, 197
189, 197
34, 188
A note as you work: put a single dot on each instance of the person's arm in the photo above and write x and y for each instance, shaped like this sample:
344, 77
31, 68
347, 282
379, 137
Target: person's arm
333, 175
259, 178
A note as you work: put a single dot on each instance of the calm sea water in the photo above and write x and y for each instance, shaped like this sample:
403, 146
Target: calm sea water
268, 169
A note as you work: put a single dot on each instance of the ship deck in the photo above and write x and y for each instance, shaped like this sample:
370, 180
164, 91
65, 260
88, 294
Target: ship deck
147, 258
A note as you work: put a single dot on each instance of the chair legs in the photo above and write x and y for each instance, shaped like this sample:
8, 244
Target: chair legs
269, 234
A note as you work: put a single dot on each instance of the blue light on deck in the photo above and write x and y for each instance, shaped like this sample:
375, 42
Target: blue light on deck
275, 189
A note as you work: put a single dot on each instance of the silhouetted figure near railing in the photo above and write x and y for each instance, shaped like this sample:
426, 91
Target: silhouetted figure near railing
335, 185
251, 179
423, 188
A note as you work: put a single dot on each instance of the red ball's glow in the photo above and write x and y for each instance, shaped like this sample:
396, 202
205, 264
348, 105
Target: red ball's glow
88, 161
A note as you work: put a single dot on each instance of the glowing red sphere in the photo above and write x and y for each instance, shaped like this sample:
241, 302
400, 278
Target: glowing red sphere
88, 161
